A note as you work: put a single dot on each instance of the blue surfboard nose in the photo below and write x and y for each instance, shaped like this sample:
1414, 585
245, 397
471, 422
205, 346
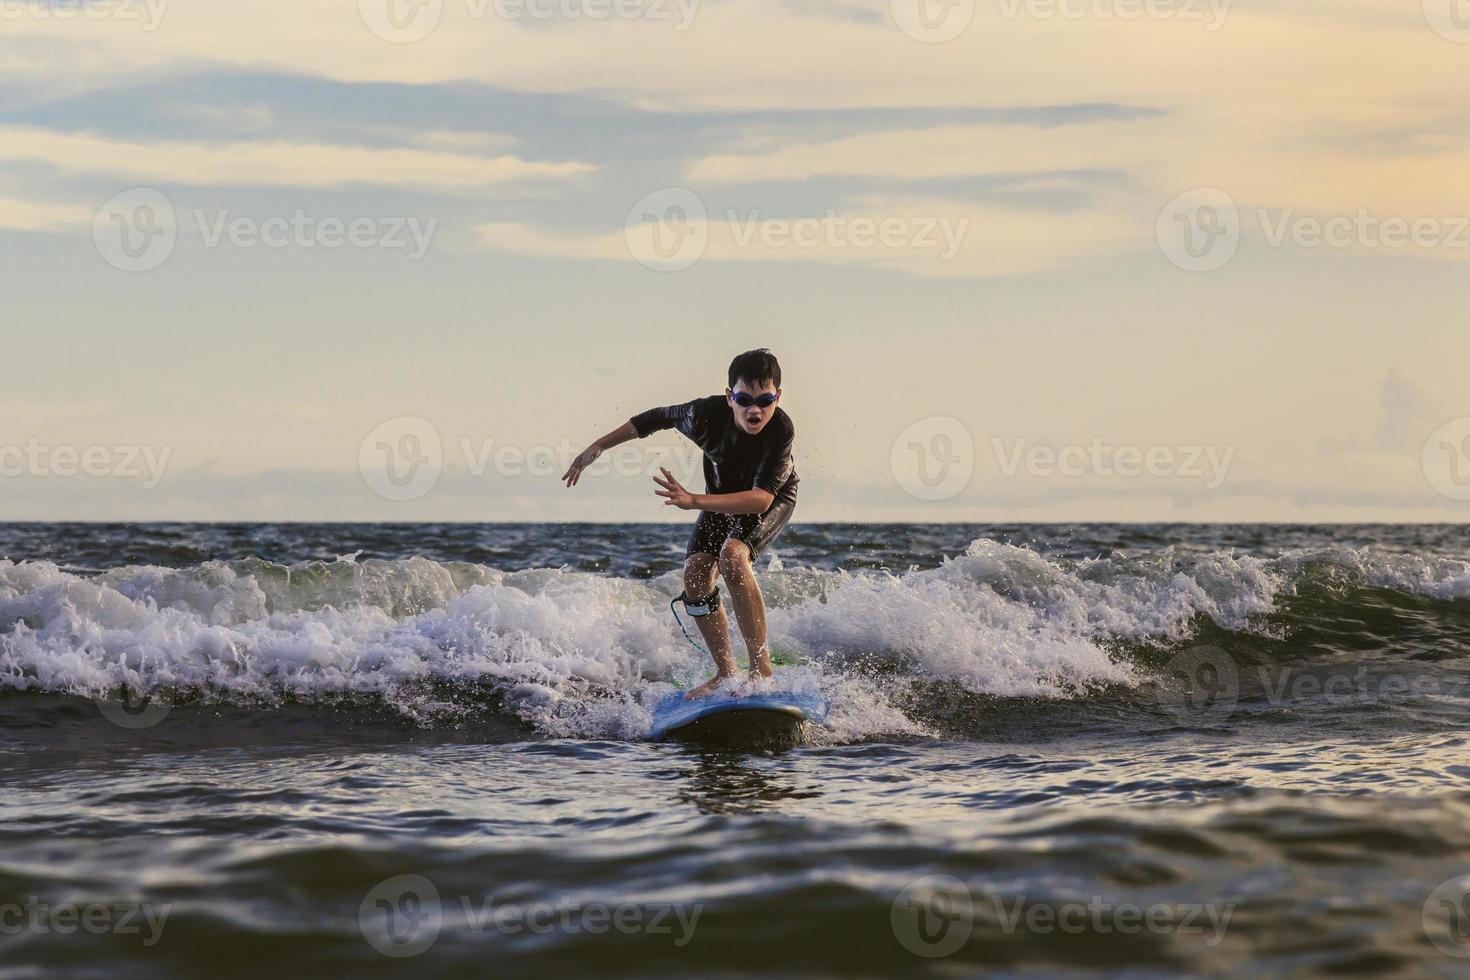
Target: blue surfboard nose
675, 713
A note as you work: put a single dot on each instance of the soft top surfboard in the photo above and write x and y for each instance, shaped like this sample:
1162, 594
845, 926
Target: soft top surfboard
721, 715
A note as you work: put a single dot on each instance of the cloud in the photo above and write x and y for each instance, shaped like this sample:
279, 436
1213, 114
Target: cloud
270, 163
942, 151
775, 53
40, 216
1387, 139
449, 139
253, 118
922, 237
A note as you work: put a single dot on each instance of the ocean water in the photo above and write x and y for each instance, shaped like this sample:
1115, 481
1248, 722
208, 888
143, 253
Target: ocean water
360, 750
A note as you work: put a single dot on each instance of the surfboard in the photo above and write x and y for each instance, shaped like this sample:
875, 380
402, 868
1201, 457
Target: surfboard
754, 718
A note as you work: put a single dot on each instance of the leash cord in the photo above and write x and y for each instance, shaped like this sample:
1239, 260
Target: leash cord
683, 630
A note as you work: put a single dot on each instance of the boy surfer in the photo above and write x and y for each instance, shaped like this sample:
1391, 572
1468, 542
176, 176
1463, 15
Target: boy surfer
750, 493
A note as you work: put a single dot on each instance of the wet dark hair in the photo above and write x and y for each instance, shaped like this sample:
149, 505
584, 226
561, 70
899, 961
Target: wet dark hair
755, 366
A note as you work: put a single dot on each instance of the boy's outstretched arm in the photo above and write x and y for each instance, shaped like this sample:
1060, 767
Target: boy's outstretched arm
586, 457
740, 502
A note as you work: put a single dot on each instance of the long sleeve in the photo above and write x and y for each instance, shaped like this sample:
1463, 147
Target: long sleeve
679, 417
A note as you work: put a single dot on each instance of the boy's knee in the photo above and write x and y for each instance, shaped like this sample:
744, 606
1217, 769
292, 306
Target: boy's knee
734, 556
699, 574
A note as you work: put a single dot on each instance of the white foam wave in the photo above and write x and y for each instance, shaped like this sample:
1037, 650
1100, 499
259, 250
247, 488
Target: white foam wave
1432, 576
584, 655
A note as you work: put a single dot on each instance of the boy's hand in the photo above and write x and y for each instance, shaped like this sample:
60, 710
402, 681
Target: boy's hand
672, 492
583, 460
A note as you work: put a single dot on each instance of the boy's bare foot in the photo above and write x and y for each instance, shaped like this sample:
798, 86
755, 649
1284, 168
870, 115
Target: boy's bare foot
708, 686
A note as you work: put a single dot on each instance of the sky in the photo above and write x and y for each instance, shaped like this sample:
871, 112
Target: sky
1021, 260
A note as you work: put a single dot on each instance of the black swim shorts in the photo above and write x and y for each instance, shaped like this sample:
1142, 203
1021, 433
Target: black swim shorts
756, 530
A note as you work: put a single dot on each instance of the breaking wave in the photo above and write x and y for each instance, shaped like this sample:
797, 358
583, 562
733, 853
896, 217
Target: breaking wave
582, 655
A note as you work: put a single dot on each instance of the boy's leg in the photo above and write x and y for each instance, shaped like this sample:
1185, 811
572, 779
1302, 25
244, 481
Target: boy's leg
737, 555
699, 581
750, 605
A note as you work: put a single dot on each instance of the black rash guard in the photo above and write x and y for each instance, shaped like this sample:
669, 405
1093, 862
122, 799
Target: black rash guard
734, 460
